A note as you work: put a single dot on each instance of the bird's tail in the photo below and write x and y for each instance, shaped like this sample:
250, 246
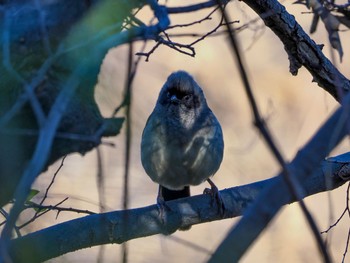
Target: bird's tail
175, 194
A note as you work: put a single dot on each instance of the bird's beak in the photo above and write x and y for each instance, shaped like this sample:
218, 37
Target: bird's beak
174, 99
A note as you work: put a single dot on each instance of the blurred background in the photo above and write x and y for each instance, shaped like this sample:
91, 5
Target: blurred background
293, 107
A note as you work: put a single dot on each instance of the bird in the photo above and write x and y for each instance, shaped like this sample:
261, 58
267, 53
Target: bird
182, 143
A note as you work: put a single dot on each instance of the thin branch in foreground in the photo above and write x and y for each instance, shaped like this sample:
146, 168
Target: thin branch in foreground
128, 96
293, 184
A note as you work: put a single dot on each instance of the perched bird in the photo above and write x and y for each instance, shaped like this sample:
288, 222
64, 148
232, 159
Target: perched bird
182, 142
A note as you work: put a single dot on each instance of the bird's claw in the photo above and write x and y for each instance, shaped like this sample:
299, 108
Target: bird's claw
162, 207
216, 197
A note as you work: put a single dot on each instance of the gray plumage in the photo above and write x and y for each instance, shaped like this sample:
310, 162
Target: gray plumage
182, 142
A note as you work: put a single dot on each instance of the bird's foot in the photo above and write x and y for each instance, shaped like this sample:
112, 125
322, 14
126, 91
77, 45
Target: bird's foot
216, 197
162, 209
162, 206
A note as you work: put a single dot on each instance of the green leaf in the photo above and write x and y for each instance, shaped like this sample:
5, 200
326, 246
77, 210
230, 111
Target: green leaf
32, 193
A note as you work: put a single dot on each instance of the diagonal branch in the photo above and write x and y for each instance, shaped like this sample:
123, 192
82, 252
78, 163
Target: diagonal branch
292, 182
301, 50
268, 203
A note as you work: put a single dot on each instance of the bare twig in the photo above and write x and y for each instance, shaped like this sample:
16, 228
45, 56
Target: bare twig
53, 180
178, 46
59, 208
41, 211
207, 17
345, 212
336, 222
186, 49
149, 53
346, 247
209, 33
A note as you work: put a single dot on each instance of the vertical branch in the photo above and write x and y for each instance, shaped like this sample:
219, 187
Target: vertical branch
101, 196
128, 94
292, 183
131, 71
100, 181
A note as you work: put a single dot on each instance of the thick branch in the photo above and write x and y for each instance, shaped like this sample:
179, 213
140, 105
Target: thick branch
107, 228
302, 51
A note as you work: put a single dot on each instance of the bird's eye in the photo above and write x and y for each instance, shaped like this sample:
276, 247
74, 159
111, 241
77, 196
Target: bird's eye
188, 96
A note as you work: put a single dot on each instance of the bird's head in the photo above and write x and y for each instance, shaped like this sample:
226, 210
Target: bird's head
181, 91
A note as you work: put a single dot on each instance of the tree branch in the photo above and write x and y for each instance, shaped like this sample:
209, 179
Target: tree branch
106, 228
292, 182
301, 50
258, 216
